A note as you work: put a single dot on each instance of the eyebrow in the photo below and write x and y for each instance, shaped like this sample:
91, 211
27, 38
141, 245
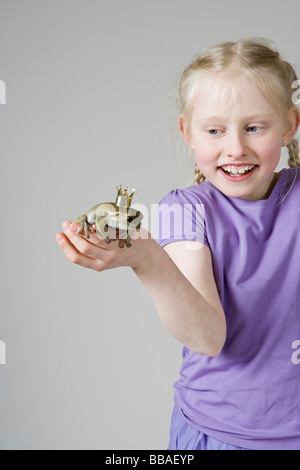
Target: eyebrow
248, 119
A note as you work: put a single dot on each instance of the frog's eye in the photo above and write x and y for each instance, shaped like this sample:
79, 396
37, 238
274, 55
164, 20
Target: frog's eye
129, 219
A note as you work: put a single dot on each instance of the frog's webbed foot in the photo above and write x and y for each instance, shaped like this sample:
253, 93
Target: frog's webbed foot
126, 242
85, 227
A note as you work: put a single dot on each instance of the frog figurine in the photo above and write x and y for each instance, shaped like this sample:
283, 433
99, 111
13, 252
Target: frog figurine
113, 220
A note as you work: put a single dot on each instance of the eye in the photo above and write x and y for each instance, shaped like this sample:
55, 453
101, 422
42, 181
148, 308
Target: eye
213, 131
253, 129
129, 219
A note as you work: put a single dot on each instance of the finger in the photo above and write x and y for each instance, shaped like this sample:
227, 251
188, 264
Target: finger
75, 256
94, 236
94, 247
71, 229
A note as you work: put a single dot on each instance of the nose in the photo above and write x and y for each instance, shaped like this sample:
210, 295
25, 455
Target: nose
236, 146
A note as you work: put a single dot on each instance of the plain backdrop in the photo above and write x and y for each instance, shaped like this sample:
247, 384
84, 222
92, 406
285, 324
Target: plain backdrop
90, 104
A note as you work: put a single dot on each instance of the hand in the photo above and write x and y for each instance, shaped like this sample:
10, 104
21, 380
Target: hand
96, 254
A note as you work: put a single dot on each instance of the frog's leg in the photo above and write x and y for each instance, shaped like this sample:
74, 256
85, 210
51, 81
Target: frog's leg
102, 227
84, 226
123, 242
128, 244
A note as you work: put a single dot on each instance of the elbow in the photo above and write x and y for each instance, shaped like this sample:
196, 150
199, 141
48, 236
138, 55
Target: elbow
212, 347
217, 342
213, 350
217, 346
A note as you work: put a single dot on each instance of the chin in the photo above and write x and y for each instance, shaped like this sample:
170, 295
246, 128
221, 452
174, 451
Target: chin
238, 192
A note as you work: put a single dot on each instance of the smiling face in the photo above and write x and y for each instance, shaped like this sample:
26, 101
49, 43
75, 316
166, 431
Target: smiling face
237, 136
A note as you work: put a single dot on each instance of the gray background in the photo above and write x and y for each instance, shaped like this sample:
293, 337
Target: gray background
90, 104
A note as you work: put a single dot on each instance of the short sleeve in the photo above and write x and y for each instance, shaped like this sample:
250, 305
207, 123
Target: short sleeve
181, 217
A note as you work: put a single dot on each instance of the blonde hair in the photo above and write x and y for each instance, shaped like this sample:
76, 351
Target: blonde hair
257, 61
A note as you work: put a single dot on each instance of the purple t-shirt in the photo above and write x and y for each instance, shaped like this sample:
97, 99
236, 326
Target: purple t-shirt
249, 395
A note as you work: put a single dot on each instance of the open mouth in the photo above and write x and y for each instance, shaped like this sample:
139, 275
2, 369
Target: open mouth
237, 172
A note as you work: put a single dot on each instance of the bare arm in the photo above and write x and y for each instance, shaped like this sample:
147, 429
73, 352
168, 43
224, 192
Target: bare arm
180, 282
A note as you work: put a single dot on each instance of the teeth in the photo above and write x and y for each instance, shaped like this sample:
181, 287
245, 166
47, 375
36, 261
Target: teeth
237, 170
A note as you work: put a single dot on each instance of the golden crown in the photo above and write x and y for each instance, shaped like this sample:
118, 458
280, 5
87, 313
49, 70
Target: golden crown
123, 198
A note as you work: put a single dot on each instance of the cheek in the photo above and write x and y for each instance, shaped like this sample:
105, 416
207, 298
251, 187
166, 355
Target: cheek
270, 153
205, 155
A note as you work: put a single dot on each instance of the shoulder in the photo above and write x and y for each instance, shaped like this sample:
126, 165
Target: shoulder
196, 194
288, 186
181, 214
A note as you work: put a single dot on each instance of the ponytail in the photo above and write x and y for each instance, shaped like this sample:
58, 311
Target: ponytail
293, 149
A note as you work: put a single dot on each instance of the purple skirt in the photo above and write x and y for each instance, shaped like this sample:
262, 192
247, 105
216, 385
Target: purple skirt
183, 436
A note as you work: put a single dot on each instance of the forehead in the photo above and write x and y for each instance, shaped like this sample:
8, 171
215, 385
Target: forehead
226, 92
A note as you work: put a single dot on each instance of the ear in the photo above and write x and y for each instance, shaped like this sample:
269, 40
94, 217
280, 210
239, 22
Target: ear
293, 123
185, 130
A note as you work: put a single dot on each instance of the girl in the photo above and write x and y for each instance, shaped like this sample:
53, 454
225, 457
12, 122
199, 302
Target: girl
227, 285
